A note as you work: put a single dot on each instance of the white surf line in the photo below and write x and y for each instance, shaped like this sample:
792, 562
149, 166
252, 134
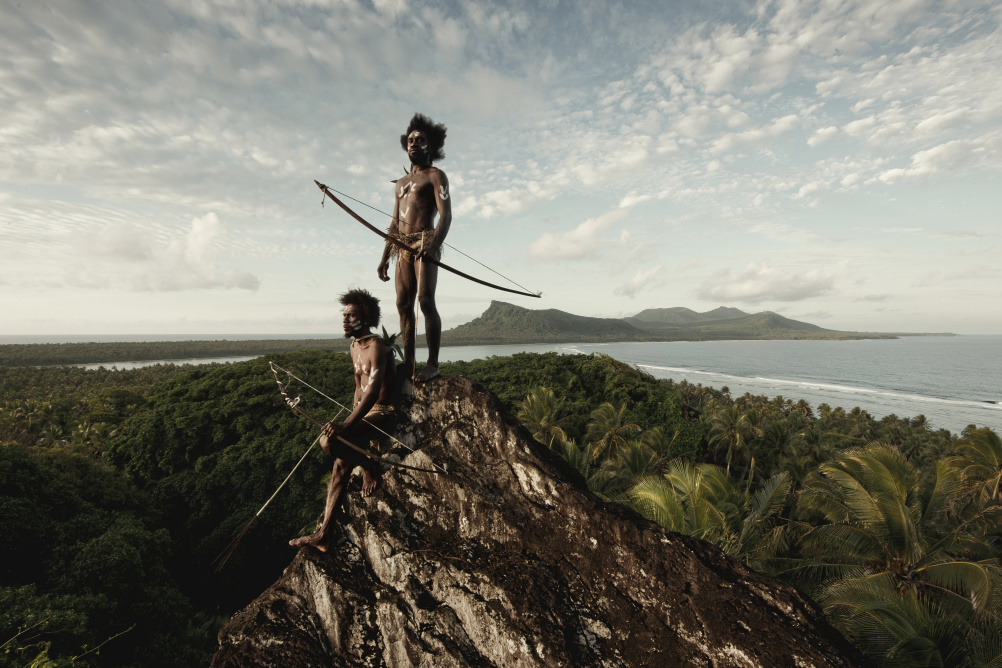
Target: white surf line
829, 387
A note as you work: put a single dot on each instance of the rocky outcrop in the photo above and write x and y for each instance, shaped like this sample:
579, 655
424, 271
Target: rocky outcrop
510, 561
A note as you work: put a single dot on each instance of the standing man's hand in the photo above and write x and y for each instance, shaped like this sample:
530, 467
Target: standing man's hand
383, 271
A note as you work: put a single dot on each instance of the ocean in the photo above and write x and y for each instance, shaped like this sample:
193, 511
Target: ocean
954, 381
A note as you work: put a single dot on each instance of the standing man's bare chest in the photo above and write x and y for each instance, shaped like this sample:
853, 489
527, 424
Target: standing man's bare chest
416, 196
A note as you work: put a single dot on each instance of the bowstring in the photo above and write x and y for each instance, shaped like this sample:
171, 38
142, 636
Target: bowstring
343, 407
472, 259
417, 309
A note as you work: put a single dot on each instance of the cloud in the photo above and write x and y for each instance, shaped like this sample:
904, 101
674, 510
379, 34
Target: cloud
822, 135
760, 282
632, 199
731, 141
642, 280
578, 243
932, 160
189, 263
120, 241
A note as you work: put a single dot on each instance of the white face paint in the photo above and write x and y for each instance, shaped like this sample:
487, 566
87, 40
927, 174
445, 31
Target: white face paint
443, 192
405, 210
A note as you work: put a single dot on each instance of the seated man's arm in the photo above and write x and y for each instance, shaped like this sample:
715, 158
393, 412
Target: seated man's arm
371, 384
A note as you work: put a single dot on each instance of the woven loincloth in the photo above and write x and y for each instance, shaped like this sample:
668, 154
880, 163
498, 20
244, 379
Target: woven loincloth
381, 409
414, 241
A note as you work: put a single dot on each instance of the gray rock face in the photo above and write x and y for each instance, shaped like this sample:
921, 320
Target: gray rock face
510, 561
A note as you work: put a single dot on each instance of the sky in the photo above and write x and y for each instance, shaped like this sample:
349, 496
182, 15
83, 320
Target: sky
834, 162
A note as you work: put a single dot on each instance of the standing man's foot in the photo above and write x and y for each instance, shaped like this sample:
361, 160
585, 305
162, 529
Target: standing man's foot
314, 540
370, 482
427, 373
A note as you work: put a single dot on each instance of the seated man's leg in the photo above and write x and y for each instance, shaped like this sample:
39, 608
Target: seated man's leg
321, 539
362, 434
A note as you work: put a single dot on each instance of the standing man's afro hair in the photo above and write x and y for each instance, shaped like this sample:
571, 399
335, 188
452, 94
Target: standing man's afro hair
435, 132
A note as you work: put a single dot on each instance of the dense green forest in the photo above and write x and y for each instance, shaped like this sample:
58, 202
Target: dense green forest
41, 354
118, 490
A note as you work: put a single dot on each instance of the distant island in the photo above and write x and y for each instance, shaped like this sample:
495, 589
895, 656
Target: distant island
504, 323
501, 323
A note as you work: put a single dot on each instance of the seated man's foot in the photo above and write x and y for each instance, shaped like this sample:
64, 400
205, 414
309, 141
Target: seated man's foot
314, 540
427, 373
370, 482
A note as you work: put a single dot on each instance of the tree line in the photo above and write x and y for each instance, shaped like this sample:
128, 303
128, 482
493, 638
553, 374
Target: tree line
46, 354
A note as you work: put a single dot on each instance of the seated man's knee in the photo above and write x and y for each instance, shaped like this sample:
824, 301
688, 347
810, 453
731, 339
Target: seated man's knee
325, 444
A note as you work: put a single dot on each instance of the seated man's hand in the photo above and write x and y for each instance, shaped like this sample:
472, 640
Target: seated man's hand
331, 429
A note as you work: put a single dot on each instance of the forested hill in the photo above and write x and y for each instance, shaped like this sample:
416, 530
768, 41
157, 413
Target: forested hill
507, 323
730, 323
679, 315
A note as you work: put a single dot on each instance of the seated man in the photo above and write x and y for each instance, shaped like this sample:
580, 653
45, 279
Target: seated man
375, 372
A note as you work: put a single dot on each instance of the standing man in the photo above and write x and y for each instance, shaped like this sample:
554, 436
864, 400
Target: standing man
374, 376
419, 196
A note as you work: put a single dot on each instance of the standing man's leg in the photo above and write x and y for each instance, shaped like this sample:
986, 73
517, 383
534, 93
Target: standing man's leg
432, 321
405, 282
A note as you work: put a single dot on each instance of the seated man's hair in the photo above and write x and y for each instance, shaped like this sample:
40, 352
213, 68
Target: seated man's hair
365, 301
435, 132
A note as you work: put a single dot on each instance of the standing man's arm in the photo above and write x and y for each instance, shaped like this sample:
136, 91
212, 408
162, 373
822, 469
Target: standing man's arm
384, 262
443, 202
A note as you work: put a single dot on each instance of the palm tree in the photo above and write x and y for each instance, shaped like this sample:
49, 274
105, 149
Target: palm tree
678, 501
539, 413
657, 440
601, 481
777, 440
979, 458
703, 501
732, 431
813, 438
632, 462
889, 528
607, 431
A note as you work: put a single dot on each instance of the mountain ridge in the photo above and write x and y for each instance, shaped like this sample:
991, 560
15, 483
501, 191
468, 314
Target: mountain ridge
504, 323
